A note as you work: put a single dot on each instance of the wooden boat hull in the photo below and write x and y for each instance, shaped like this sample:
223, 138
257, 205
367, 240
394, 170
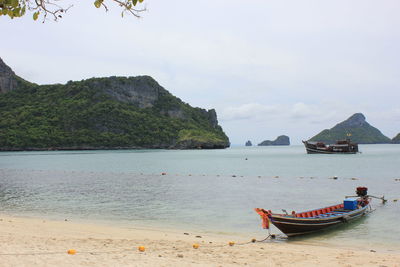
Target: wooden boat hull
340, 148
299, 226
319, 151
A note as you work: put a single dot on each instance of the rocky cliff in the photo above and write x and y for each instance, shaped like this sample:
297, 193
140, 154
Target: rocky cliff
356, 128
248, 143
8, 79
281, 140
101, 113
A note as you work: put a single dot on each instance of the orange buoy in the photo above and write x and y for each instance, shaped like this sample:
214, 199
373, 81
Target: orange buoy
231, 243
141, 248
71, 251
196, 246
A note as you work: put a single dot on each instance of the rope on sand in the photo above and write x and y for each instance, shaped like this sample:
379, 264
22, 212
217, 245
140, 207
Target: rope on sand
73, 252
53, 253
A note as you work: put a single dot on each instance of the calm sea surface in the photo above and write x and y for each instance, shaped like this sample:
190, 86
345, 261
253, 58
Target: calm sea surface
205, 190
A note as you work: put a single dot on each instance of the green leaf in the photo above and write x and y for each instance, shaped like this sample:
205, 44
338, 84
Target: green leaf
98, 3
134, 2
16, 12
140, 1
36, 15
14, 3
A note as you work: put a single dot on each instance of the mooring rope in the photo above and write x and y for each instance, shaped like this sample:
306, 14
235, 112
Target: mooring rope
59, 252
231, 243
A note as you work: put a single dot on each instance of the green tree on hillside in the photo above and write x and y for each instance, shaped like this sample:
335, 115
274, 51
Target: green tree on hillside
93, 114
44, 8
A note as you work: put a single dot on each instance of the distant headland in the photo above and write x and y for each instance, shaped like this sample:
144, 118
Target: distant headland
357, 129
281, 140
101, 113
396, 139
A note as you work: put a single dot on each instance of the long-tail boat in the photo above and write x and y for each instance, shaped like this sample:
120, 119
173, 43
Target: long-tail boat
340, 147
315, 220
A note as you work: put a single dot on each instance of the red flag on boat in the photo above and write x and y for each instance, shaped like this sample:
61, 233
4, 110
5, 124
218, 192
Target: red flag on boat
264, 217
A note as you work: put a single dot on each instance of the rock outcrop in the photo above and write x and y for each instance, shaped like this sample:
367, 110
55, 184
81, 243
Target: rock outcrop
356, 128
141, 91
8, 79
281, 140
248, 143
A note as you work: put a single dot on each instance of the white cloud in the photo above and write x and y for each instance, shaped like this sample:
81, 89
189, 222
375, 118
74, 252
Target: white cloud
249, 111
301, 110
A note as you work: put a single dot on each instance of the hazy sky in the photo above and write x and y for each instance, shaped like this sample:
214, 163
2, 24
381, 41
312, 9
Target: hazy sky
267, 67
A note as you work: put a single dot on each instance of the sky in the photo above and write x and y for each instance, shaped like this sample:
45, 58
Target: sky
267, 67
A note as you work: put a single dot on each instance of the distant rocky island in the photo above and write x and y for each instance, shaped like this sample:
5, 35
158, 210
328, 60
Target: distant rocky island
356, 128
281, 140
396, 139
248, 143
101, 113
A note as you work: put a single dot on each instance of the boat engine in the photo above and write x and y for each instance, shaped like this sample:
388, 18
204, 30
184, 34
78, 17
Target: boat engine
361, 191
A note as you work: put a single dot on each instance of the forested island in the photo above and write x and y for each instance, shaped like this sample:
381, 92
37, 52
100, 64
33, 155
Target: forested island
101, 113
396, 139
282, 140
356, 128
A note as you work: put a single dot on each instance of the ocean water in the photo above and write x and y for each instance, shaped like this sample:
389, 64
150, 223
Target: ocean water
205, 190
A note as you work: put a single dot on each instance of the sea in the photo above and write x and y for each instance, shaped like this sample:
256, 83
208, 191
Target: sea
206, 191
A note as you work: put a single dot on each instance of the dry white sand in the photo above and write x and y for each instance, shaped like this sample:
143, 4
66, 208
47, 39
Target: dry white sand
37, 242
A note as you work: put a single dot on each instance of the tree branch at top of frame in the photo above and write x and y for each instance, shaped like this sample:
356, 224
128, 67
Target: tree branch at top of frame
54, 8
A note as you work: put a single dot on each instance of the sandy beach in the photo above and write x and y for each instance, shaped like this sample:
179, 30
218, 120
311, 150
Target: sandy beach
40, 242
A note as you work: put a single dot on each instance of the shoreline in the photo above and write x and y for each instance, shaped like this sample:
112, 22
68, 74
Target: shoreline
43, 242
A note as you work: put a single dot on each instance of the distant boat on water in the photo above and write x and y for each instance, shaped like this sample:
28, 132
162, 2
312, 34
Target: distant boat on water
340, 147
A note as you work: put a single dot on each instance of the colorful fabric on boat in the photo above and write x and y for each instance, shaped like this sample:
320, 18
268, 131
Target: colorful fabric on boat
264, 217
